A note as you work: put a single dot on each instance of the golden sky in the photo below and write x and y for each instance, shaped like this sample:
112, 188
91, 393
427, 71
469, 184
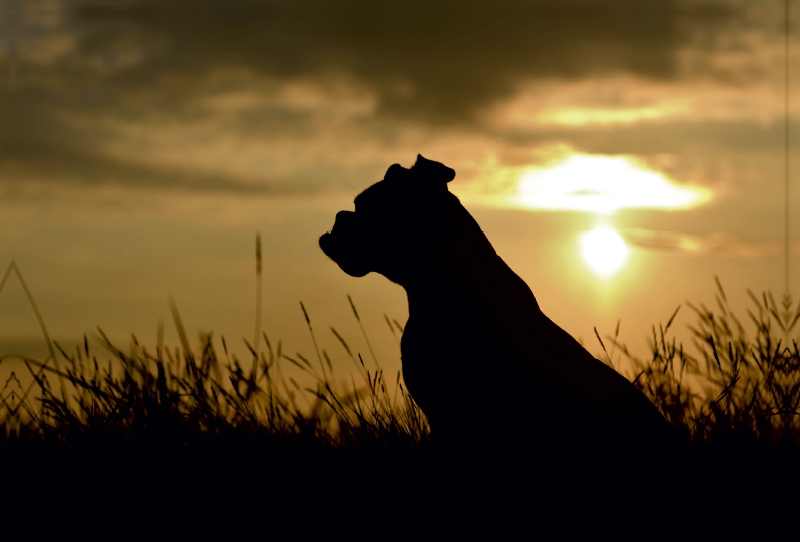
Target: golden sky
144, 142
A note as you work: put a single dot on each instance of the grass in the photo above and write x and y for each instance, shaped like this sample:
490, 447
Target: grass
740, 386
170, 432
201, 419
188, 396
737, 385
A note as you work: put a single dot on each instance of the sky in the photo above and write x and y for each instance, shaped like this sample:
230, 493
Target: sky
619, 155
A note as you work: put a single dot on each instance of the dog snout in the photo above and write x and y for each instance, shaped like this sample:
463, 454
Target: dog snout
345, 224
344, 221
340, 235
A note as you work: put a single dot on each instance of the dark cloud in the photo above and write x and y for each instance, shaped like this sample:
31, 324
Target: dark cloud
32, 175
79, 64
438, 60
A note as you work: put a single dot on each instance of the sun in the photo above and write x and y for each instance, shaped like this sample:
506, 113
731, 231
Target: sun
604, 250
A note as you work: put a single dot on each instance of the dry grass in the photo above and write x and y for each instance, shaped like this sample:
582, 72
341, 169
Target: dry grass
197, 428
737, 386
740, 385
187, 396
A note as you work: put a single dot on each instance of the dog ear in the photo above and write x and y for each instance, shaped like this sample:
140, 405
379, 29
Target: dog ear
433, 171
396, 172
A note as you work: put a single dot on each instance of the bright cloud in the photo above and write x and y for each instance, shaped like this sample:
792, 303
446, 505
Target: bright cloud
603, 184
577, 116
627, 100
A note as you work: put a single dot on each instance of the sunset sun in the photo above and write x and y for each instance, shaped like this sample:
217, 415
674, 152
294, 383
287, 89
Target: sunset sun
604, 250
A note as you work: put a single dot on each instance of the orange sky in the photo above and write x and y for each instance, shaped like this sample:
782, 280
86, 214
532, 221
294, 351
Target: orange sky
145, 142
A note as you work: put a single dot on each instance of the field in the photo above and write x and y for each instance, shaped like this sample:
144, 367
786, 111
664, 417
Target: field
199, 419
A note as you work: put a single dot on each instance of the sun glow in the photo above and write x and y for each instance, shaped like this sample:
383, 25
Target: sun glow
603, 184
604, 250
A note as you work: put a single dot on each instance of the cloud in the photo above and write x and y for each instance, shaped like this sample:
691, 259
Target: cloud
320, 94
41, 177
716, 243
436, 60
603, 184
624, 100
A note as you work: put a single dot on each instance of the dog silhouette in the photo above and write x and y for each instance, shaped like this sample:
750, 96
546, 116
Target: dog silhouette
479, 356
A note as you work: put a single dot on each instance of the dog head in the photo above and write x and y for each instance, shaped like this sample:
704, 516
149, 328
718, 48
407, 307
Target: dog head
396, 225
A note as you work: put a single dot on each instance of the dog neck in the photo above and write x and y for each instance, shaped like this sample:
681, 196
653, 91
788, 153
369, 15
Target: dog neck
455, 269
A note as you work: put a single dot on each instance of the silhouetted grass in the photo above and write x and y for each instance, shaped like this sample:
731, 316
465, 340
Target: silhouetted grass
741, 382
735, 386
186, 397
196, 427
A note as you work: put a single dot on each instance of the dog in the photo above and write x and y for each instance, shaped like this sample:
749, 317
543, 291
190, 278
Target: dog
479, 356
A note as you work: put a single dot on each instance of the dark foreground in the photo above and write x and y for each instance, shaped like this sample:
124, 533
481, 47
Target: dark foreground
250, 486
192, 442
